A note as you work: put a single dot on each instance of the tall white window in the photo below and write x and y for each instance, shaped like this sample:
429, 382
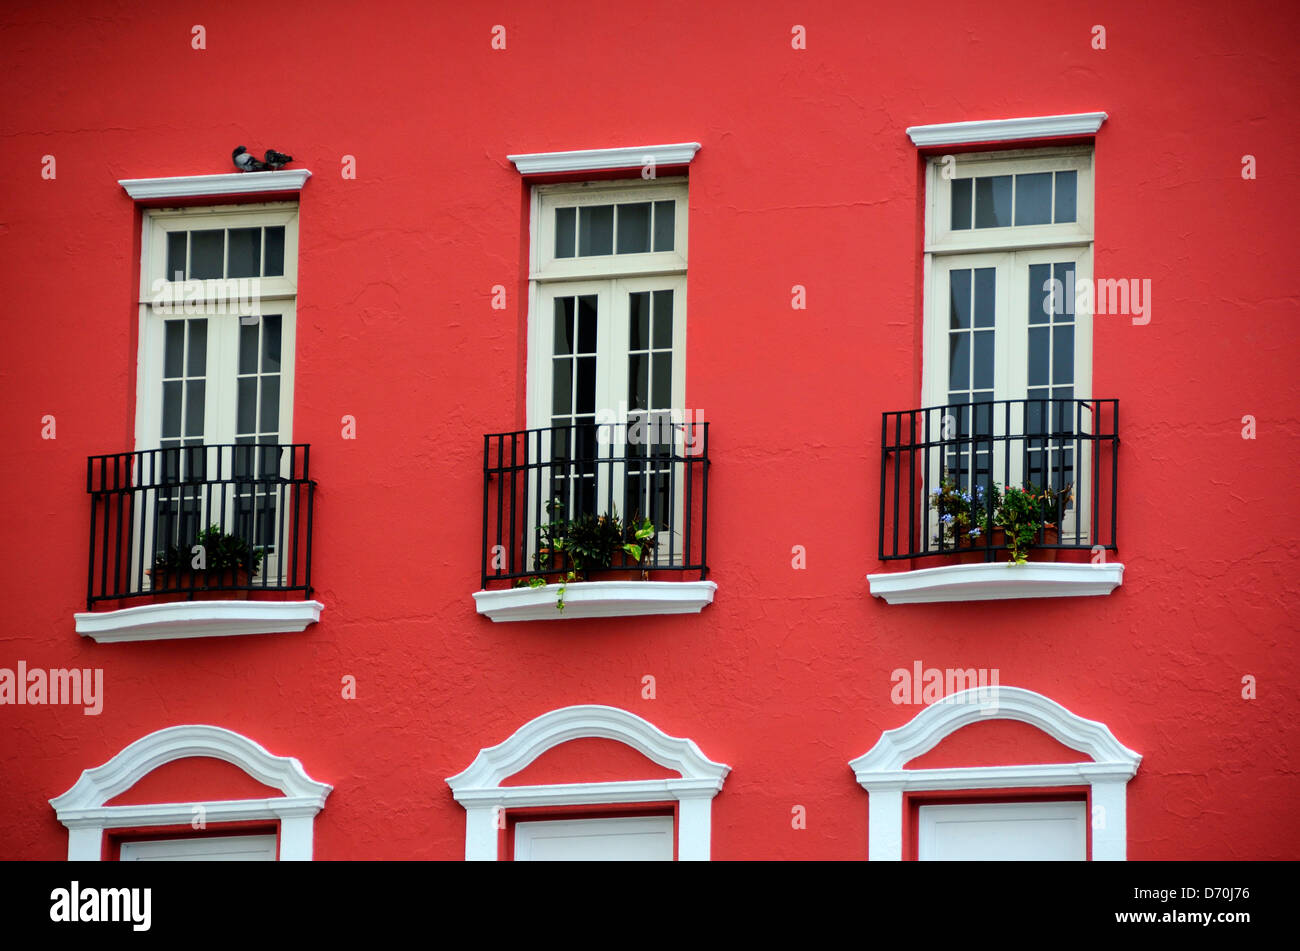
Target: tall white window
1009, 239
217, 326
606, 345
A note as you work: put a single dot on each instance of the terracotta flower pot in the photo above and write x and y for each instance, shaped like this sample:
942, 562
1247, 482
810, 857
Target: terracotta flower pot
1050, 536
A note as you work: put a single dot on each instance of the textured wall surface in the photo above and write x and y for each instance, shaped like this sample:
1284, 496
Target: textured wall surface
805, 176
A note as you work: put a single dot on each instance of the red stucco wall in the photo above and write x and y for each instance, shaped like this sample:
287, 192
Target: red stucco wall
805, 176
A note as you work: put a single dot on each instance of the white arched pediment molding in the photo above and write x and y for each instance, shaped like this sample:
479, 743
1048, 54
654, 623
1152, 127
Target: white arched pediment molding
478, 788
881, 770
82, 808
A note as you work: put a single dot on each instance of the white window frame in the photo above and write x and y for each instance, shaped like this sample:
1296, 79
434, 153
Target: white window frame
83, 811
276, 293
881, 772
478, 788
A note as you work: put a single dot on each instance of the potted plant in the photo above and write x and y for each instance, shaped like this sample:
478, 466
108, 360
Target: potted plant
964, 517
575, 548
1020, 514
224, 561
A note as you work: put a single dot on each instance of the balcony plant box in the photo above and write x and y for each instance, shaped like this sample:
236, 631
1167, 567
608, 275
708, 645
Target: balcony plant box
229, 562
212, 584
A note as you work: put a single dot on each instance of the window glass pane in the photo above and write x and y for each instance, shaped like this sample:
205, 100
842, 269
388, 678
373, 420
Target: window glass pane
1066, 189
1065, 307
585, 401
173, 347
1038, 355
993, 201
985, 289
197, 363
171, 417
270, 404
961, 195
596, 230
662, 394
639, 320
665, 225
1063, 354
207, 249
246, 405
194, 407
1040, 293
248, 348
271, 343
245, 252
274, 252
566, 222
959, 311
1034, 199
587, 323
959, 361
983, 360
638, 384
564, 325
176, 255
562, 387
663, 324
634, 228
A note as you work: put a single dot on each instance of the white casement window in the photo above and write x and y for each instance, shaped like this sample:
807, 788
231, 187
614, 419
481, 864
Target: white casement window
622, 839
1003, 831
607, 345
1008, 241
218, 290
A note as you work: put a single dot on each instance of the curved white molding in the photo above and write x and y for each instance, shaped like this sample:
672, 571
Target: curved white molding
202, 186
81, 809
180, 619
990, 581
880, 771
1006, 130
596, 599
478, 788
594, 160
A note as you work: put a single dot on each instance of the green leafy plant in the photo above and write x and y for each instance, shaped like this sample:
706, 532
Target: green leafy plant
1021, 514
589, 543
963, 515
221, 552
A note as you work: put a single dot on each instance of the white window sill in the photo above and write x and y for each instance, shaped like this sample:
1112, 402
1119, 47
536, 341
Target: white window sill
181, 619
996, 581
202, 186
596, 599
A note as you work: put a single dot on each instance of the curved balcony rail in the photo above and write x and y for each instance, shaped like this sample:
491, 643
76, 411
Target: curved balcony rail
182, 520
942, 469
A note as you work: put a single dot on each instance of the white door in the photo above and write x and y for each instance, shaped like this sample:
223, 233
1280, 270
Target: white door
219, 848
639, 839
1007, 831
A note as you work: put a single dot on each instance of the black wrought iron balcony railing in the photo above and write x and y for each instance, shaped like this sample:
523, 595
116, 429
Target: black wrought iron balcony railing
945, 469
553, 494
188, 519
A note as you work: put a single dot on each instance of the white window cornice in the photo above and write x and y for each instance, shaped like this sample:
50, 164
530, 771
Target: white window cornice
1006, 130
478, 788
204, 186
83, 811
595, 160
881, 771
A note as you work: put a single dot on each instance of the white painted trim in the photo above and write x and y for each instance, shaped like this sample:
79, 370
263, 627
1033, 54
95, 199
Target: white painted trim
202, 186
591, 160
1006, 130
478, 788
81, 809
202, 849
992, 581
584, 599
180, 619
880, 771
